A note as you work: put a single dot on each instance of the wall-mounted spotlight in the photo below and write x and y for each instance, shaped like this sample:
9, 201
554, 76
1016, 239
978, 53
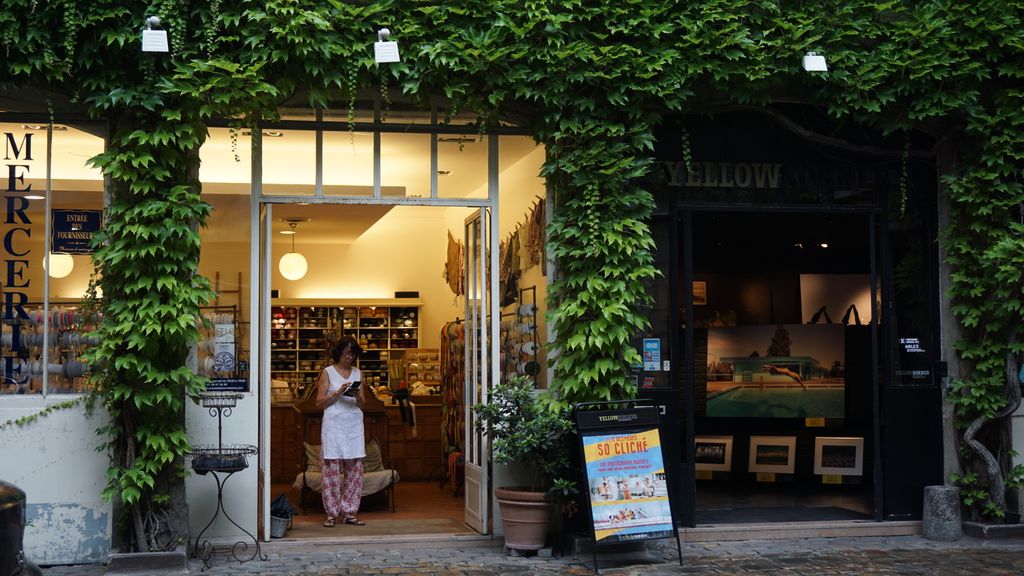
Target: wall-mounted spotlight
384, 51
814, 62
154, 40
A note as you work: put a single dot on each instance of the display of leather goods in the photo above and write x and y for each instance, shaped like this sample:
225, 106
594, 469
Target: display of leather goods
527, 309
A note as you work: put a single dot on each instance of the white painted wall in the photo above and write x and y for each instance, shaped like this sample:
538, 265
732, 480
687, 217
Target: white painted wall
54, 460
241, 495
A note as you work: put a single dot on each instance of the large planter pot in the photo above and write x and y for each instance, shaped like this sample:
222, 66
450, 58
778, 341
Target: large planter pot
525, 516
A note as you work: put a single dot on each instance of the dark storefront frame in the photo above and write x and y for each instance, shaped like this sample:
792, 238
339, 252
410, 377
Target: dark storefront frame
896, 475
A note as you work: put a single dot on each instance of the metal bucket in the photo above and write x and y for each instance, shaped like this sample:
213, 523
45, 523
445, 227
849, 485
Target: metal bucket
278, 526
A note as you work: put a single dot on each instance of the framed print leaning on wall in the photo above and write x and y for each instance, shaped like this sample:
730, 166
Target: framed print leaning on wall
843, 456
713, 453
772, 454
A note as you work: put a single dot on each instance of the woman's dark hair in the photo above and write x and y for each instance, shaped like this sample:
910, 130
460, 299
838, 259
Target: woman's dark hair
343, 343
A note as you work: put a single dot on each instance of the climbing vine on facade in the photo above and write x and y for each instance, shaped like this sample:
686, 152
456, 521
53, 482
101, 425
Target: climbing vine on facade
591, 79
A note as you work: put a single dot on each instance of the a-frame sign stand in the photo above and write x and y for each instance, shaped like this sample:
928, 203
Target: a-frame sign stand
625, 474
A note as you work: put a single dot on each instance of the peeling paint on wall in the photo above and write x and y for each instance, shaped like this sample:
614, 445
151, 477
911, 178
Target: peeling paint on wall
76, 533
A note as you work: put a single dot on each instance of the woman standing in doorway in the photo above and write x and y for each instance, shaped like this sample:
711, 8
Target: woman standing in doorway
341, 397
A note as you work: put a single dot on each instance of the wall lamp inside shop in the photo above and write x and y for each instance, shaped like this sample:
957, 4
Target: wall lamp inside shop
293, 266
154, 40
59, 266
814, 62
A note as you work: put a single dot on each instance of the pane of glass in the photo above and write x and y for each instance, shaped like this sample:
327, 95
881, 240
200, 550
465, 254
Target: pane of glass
226, 158
405, 165
223, 353
462, 166
77, 203
348, 163
289, 162
523, 282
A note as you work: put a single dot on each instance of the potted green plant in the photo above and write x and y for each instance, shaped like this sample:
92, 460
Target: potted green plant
526, 430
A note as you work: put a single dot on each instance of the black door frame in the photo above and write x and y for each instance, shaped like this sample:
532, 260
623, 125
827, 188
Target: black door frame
681, 216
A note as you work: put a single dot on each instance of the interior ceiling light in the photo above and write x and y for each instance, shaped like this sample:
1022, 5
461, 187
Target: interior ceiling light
60, 265
823, 244
814, 62
293, 266
35, 197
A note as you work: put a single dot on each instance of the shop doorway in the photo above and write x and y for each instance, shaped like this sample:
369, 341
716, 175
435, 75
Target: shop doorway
784, 362
409, 412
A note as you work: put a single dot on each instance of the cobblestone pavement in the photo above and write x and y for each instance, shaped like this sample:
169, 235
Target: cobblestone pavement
907, 555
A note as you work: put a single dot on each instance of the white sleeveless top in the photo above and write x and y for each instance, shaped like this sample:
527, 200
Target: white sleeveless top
342, 431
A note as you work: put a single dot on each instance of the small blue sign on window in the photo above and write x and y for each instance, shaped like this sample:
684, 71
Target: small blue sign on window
652, 354
72, 230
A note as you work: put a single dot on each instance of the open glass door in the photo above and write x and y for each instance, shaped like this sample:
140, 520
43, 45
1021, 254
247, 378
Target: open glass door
260, 341
481, 337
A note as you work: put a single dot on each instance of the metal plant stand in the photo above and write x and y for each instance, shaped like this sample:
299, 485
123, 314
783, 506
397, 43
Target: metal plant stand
222, 462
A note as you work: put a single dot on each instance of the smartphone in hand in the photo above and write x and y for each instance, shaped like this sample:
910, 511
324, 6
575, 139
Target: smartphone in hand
353, 389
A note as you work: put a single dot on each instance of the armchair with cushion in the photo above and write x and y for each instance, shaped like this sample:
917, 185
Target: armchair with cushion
378, 475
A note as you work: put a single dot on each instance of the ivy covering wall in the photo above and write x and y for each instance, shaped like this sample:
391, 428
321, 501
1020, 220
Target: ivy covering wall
591, 78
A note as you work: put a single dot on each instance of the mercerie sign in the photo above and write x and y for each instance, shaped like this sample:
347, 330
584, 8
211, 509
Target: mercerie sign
17, 155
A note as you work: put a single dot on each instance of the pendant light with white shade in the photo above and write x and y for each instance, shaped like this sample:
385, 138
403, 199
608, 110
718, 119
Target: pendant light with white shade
293, 266
59, 265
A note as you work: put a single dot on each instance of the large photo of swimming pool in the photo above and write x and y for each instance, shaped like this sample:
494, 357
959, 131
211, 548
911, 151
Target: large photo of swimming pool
776, 371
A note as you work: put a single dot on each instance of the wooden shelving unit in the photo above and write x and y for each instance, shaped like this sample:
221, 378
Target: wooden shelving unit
301, 334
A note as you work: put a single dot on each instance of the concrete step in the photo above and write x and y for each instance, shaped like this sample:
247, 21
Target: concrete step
795, 530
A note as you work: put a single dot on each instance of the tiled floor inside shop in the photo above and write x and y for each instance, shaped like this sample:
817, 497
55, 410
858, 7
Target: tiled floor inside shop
420, 508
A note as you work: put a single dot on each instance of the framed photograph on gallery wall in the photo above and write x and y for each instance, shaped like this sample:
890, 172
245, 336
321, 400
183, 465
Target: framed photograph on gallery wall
843, 456
772, 454
700, 293
713, 453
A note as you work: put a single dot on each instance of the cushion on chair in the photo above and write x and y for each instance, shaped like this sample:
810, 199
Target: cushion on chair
314, 457
373, 462
373, 482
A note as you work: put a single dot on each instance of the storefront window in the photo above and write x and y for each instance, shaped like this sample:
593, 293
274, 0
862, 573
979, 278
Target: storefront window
462, 166
289, 162
45, 328
223, 354
348, 164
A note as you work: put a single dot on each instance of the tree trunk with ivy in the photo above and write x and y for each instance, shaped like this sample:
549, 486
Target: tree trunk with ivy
147, 262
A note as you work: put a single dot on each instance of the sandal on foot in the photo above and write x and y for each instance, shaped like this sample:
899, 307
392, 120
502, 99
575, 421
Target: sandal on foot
353, 521
330, 522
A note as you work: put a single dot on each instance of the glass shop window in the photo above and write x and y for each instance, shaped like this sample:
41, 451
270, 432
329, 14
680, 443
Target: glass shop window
222, 352
45, 325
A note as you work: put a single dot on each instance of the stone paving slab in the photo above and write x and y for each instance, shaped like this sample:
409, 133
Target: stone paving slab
907, 555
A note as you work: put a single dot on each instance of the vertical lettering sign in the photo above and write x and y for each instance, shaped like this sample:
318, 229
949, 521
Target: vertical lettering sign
73, 230
628, 487
17, 232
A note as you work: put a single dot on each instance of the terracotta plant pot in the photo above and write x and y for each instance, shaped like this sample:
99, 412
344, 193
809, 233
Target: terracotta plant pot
524, 515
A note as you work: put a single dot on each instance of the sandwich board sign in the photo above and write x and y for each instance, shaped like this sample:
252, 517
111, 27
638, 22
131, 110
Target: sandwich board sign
625, 474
